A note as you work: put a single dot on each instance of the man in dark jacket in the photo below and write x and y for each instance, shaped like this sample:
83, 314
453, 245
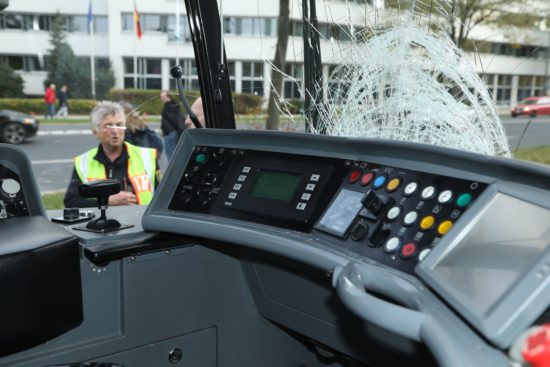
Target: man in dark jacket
171, 123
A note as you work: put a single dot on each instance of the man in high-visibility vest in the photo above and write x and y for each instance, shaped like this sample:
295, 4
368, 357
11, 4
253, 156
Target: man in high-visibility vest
135, 167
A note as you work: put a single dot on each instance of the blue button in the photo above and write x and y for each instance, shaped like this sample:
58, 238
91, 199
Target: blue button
379, 182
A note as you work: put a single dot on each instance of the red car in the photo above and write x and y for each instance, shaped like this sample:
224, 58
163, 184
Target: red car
533, 106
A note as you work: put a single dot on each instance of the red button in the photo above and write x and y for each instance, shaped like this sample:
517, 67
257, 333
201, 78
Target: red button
408, 250
354, 176
536, 348
367, 178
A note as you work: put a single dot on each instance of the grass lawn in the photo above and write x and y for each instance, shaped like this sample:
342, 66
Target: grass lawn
536, 154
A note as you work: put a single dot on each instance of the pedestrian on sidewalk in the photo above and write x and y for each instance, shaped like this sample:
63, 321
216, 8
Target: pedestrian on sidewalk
49, 98
63, 102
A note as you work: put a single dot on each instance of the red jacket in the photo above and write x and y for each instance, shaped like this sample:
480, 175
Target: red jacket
50, 96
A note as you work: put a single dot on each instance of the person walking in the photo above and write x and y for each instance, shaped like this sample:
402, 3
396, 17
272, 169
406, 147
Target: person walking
171, 123
63, 102
135, 167
49, 98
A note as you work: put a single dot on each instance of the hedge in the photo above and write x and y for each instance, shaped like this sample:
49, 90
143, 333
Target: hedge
148, 101
37, 106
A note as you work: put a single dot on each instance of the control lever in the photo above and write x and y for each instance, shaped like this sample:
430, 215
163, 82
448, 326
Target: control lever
101, 190
375, 205
177, 72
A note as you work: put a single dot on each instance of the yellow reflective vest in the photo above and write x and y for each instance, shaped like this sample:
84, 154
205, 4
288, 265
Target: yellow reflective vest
141, 170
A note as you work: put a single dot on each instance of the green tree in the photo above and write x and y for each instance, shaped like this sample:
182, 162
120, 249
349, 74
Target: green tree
279, 62
64, 68
11, 84
470, 13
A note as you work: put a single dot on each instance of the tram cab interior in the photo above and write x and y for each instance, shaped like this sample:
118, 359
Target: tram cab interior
265, 248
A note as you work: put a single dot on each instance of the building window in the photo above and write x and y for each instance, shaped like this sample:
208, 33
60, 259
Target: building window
154, 23
538, 86
101, 24
184, 32
148, 75
127, 22
78, 23
292, 80
231, 70
249, 26
23, 62
190, 77
253, 78
524, 87
504, 89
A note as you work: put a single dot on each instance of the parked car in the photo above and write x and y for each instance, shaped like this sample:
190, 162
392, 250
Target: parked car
15, 126
533, 106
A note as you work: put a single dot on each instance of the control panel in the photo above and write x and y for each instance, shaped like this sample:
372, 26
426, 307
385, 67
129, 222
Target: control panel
12, 199
278, 189
395, 215
389, 214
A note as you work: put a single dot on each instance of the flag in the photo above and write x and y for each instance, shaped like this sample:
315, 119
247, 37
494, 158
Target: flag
136, 19
90, 18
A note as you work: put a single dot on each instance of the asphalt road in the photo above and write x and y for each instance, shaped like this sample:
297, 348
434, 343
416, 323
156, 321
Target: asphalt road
51, 152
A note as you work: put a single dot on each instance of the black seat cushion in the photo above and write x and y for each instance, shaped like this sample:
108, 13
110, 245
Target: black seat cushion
40, 288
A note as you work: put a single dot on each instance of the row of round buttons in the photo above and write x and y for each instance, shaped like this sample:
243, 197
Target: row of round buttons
407, 251
410, 189
425, 224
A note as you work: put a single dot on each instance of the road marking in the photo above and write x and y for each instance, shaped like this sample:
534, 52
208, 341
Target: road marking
53, 161
75, 132
66, 132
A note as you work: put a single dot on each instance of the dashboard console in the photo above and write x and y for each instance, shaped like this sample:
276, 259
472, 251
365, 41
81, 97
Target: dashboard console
475, 229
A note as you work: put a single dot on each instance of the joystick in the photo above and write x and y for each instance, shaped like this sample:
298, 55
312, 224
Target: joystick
101, 190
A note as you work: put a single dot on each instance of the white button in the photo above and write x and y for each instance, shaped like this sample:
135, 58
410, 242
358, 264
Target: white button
428, 192
237, 187
241, 178
306, 196
314, 177
410, 188
445, 196
301, 206
423, 254
410, 218
310, 187
246, 169
232, 195
392, 244
394, 212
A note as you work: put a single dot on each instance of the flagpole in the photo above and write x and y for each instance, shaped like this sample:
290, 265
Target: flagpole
178, 31
92, 63
92, 53
135, 64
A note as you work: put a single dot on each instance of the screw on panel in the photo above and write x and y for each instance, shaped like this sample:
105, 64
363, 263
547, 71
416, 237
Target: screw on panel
174, 356
132, 258
167, 252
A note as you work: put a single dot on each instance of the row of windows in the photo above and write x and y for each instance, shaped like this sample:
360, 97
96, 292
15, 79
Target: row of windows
31, 63
43, 22
506, 49
501, 87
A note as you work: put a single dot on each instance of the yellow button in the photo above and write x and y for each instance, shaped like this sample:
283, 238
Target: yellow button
427, 222
393, 184
444, 227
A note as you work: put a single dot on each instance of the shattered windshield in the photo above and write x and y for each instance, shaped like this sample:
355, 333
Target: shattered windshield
442, 72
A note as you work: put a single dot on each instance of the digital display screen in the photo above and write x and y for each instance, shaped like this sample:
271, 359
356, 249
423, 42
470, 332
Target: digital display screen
275, 185
504, 242
341, 213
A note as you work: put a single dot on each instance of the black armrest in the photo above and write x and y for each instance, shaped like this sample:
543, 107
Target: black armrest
146, 242
39, 282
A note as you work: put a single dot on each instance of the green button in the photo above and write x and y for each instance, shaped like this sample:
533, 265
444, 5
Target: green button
200, 158
463, 200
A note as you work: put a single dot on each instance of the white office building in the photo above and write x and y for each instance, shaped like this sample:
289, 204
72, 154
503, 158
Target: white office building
512, 62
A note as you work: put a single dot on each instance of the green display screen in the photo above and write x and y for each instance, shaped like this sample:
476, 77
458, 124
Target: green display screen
275, 185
